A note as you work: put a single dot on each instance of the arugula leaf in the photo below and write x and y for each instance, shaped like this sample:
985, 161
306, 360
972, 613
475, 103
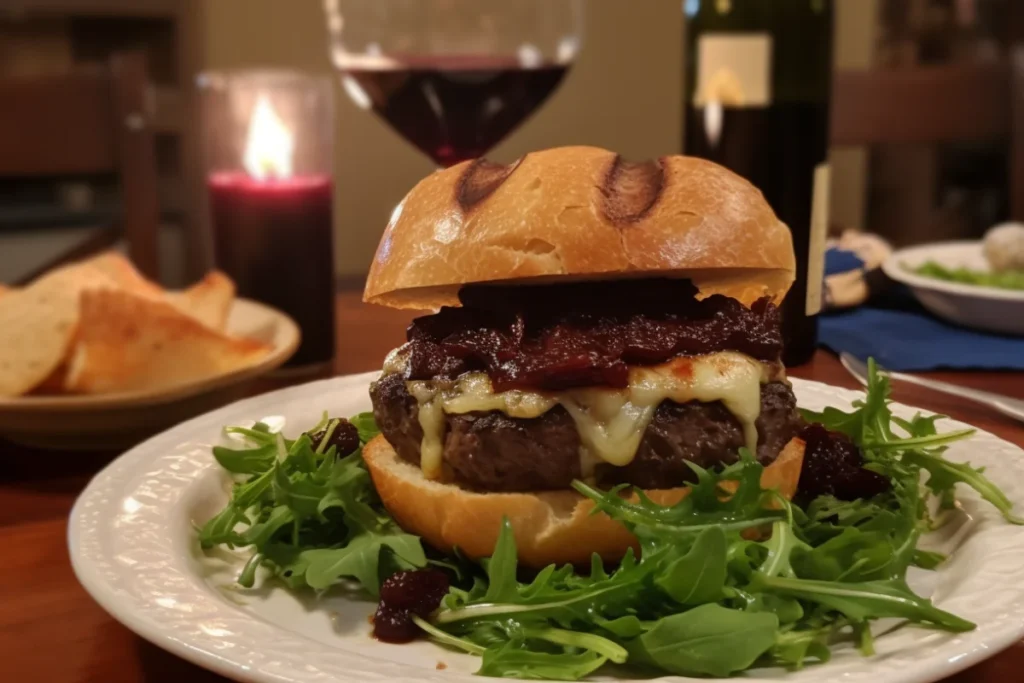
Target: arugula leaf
565, 603
329, 430
853, 554
699, 575
927, 559
247, 579
945, 475
708, 640
743, 505
221, 528
582, 641
259, 433
501, 568
837, 420
788, 610
358, 514
312, 519
794, 647
248, 460
866, 600
548, 581
298, 491
870, 427
301, 457
260, 533
255, 491
360, 559
781, 545
511, 660
626, 627
350, 488
445, 638
287, 563
366, 425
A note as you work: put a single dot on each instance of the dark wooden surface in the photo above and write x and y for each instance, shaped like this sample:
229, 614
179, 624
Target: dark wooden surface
50, 630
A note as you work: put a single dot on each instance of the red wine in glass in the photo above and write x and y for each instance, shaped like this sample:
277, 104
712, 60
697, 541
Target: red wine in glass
454, 108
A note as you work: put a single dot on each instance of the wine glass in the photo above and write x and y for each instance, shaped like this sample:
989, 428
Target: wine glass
453, 77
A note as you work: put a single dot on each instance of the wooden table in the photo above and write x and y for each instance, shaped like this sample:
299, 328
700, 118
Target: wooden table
50, 630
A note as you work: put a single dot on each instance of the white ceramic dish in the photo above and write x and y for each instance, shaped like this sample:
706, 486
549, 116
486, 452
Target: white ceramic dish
985, 308
133, 547
116, 421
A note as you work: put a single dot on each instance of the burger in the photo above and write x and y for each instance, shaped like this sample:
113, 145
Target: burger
595, 319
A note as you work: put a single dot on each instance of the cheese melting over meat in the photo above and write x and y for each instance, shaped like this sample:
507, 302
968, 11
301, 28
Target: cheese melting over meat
611, 422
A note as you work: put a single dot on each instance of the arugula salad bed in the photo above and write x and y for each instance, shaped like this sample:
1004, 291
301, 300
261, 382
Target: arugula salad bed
724, 582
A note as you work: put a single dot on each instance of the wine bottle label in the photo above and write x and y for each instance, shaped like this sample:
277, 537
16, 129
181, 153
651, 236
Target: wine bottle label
819, 232
734, 70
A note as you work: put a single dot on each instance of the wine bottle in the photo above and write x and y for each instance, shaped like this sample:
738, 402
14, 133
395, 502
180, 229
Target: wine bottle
758, 88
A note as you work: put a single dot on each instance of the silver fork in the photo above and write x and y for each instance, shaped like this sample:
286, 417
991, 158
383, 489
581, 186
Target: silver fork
1006, 405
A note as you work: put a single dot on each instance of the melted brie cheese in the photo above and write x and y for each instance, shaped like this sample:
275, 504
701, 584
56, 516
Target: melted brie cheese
611, 422
431, 419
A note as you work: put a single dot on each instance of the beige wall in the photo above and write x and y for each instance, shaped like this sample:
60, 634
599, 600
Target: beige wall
624, 93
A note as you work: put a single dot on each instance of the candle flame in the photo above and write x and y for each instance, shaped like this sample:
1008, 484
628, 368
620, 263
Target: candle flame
270, 145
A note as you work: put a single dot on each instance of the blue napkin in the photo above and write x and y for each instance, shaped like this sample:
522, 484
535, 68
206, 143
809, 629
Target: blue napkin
840, 261
895, 330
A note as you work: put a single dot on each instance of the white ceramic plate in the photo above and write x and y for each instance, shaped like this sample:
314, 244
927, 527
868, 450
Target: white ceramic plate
986, 308
133, 547
114, 421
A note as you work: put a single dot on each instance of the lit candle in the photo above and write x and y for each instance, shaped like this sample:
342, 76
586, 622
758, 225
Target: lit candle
273, 227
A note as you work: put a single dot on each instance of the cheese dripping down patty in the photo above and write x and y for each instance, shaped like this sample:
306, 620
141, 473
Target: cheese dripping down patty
610, 422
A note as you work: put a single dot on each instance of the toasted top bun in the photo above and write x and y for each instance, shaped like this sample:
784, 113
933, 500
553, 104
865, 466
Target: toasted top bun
550, 527
575, 213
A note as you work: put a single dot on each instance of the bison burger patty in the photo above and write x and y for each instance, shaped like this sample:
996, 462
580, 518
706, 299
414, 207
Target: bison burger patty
489, 451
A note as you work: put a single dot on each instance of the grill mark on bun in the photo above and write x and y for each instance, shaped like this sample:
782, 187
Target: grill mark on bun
631, 189
480, 180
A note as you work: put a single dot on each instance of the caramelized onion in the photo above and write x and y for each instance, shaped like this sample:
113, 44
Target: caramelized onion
553, 337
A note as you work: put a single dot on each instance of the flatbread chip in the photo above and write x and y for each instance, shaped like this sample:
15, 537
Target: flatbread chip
131, 343
38, 323
122, 272
208, 301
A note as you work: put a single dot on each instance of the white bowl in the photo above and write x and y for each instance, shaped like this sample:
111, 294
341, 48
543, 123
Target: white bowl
985, 308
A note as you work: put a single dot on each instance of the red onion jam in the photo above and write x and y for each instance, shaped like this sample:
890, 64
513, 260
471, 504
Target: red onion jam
834, 466
402, 595
553, 337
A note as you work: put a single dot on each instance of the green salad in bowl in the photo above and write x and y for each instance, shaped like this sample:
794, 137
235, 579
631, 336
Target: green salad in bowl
1007, 279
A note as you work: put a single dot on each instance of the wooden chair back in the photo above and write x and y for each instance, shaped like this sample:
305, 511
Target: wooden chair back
93, 121
940, 104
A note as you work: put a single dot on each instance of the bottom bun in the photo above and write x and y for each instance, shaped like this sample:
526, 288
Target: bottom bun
550, 526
